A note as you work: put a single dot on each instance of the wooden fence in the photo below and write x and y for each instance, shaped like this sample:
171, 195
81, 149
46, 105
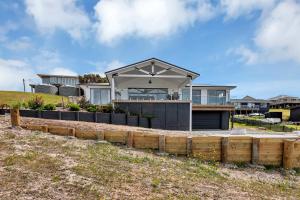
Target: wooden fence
227, 149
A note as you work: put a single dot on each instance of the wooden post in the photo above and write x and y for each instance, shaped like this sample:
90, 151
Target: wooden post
255, 151
288, 154
15, 117
129, 139
162, 143
100, 135
225, 143
189, 146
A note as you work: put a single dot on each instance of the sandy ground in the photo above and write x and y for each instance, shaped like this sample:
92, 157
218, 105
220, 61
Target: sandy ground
35, 165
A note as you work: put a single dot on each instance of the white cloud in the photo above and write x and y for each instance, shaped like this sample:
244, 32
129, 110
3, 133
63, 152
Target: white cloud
62, 71
23, 43
246, 55
12, 74
278, 33
102, 67
50, 15
236, 8
147, 19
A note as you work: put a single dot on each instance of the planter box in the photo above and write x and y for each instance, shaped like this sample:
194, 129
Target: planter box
29, 113
118, 118
69, 115
2, 112
132, 120
48, 114
144, 122
87, 116
103, 118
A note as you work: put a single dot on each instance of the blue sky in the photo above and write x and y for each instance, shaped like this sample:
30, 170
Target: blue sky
253, 44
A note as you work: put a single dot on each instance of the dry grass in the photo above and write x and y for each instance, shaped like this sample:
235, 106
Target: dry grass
41, 166
13, 97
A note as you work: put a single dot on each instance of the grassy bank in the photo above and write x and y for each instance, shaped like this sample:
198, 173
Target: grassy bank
12, 97
35, 165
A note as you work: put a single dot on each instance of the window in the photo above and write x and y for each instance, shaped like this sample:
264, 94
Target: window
147, 93
100, 96
196, 95
217, 97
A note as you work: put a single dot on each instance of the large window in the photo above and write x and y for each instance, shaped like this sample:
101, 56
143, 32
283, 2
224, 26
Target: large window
147, 93
217, 97
100, 96
196, 95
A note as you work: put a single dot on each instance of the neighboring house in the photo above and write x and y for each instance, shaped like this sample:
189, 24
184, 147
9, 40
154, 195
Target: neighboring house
162, 91
249, 105
284, 101
57, 84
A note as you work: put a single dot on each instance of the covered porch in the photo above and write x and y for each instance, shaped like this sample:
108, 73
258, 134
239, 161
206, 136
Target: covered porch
144, 86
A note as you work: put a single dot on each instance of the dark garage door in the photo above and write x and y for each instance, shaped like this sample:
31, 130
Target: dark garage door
206, 120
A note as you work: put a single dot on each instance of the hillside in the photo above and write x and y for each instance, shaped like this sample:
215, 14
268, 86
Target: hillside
11, 97
36, 165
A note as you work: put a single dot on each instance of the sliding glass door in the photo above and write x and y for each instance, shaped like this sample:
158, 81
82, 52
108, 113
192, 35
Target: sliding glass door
100, 96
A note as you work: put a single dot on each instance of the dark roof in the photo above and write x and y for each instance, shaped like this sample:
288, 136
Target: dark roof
248, 98
156, 60
282, 96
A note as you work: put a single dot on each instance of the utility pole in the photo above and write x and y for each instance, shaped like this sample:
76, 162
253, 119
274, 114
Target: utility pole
24, 85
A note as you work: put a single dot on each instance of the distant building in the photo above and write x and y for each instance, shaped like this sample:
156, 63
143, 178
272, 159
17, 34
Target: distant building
284, 101
57, 84
249, 105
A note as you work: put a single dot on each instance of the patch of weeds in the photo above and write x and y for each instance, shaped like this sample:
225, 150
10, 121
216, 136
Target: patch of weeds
56, 178
241, 164
297, 170
270, 168
155, 183
34, 161
9, 135
283, 185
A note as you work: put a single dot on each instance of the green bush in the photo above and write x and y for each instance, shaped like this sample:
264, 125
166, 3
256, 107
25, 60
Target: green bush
50, 107
106, 109
73, 107
92, 108
36, 103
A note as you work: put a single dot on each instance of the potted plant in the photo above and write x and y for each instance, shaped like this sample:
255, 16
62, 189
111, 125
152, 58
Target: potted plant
146, 121
118, 116
132, 119
49, 112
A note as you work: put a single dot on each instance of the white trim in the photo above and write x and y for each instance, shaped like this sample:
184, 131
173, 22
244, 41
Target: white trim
150, 76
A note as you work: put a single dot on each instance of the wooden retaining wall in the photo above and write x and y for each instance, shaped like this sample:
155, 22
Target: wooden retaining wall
228, 149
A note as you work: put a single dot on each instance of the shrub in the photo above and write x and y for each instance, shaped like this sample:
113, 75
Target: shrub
36, 103
59, 105
83, 103
24, 105
106, 109
50, 107
17, 105
92, 108
73, 107
118, 110
4, 106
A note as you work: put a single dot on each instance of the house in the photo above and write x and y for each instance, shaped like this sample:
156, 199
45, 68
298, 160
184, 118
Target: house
57, 84
284, 101
166, 93
249, 105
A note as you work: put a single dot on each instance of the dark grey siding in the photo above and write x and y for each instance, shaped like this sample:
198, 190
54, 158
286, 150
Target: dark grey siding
48, 89
170, 116
210, 120
68, 91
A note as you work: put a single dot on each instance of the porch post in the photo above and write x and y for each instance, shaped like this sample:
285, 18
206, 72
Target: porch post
191, 102
112, 90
